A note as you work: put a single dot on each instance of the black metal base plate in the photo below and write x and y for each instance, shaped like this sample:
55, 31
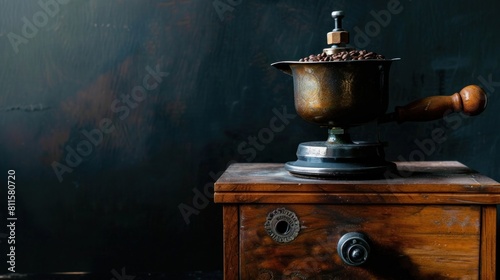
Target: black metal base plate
327, 161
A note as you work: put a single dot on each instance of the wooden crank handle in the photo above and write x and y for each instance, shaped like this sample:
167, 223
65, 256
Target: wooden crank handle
471, 100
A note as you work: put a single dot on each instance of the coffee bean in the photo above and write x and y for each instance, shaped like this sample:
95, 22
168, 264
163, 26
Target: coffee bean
343, 56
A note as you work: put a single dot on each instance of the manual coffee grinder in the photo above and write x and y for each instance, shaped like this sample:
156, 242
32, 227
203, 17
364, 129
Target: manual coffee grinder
438, 222
342, 88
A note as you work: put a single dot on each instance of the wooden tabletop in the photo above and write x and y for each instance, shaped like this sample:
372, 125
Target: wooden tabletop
434, 182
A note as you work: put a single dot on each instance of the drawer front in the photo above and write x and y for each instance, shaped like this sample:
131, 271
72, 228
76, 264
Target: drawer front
406, 242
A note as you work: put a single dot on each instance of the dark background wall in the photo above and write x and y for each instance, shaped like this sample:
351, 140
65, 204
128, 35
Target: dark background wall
69, 71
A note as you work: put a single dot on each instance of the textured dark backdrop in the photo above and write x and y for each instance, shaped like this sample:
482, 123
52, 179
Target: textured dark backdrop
213, 92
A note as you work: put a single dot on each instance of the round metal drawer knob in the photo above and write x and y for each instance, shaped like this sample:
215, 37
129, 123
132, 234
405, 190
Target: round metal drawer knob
282, 225
353, 248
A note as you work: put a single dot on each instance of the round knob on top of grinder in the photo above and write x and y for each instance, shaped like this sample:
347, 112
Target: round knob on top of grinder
338, 16
338, 37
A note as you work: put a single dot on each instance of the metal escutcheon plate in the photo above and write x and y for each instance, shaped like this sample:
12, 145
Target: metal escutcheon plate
282, 225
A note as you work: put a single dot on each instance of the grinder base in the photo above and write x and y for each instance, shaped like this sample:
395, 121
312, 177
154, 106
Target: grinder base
326, 160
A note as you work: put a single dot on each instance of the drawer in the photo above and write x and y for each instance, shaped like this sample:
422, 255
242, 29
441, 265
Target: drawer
406, 241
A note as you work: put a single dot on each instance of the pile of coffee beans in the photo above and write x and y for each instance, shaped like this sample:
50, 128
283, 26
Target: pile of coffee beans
343, 56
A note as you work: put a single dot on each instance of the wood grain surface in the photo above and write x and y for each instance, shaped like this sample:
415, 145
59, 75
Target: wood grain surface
231, 242
488, 242
445, 182
408, 242
429, 220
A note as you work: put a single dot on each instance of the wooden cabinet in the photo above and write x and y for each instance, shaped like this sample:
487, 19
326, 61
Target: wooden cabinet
433, 220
